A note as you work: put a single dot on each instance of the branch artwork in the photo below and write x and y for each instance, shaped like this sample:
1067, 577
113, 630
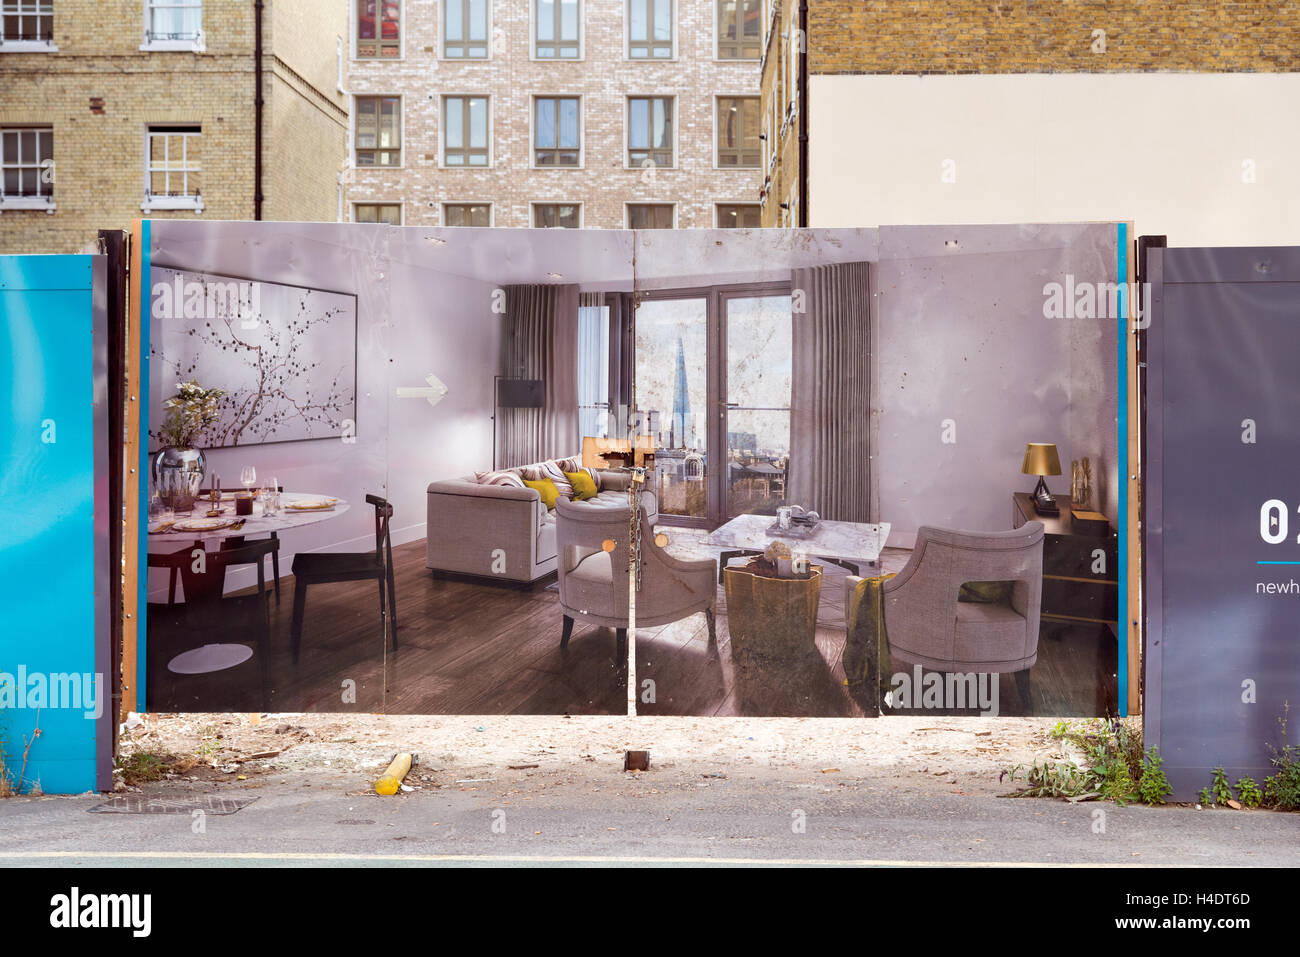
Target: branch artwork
284, 356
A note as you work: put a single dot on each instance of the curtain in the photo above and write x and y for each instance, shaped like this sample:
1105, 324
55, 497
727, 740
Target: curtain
542, 330
830, 401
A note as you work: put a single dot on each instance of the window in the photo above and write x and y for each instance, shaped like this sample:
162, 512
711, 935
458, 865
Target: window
390, 214
174, 171
556, 26
556, 215
738, 142
379, 131
650, 29
649, 215
650, 131
465, 131
27, 167
739, 29
465, 29
466, 214
27, 22
739, 216
171, 22
379, 29
556, 136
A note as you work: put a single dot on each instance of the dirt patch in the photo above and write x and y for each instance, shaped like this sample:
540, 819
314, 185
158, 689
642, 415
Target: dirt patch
953, 755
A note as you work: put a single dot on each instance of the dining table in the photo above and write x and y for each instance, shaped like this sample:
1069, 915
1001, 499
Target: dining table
196, 527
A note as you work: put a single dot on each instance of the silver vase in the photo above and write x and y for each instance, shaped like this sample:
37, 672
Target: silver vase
178, 475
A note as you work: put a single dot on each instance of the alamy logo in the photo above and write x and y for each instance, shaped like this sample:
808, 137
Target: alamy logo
1095, 300
59, 691
131, 911
944, 692
235, 300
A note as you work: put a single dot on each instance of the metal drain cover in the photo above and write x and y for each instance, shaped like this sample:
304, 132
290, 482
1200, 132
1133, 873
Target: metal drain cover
139, 804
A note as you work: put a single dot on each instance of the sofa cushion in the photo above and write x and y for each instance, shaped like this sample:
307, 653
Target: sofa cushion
546, 489
548, 470
507, 477
584, 485
988, 632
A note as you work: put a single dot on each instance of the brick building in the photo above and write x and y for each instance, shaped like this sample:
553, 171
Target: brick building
115, 109
595, 113
1184, 117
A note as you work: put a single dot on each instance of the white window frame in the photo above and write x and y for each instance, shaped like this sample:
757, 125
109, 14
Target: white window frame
532, 212
717, 211
532, 131
491, 132
196, 45
582, 35
401, 209
186, 202
442, 211
627, 128
442, 36
38, 202
717, 127
354, 39
627, 210
627, 35
717, 37
24, 9
352, 130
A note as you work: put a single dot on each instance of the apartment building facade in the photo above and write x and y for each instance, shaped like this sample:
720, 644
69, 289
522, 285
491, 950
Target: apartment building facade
111, 110
1182, 117
560, 113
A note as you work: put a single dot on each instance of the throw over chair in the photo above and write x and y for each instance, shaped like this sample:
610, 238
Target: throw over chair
594, 582
319, 568
207, 616
927, 625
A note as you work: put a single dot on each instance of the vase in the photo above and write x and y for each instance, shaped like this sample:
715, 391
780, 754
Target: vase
178, 475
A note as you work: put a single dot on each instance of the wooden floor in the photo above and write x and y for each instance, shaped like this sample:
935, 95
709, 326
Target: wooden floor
480, 648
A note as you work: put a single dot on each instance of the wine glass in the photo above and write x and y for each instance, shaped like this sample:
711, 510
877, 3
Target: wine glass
271, 497
247, 476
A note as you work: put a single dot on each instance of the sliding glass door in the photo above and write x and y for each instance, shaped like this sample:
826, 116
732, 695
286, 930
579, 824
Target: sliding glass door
712, 379
757, 334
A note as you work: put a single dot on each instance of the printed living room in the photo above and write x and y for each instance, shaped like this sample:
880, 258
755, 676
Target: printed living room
412, 470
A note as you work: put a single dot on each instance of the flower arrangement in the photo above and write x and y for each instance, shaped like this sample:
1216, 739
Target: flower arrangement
190, 413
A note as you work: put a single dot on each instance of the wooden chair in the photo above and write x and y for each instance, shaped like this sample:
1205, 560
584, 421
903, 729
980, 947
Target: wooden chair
207, 616
319, 568
237, 540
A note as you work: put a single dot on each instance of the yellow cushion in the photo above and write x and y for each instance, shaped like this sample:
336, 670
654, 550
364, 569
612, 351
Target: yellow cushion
546, 488
584, 486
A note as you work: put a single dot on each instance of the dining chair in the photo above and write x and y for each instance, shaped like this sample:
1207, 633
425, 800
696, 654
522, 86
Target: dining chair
320, 568
236, 540
208, 616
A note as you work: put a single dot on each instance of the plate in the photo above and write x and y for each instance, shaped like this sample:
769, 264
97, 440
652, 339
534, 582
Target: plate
312, 504
201, 524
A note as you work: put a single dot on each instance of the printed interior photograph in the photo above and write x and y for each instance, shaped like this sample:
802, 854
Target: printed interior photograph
832, 472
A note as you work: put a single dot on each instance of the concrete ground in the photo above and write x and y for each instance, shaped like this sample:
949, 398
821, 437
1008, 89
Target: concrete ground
534, 791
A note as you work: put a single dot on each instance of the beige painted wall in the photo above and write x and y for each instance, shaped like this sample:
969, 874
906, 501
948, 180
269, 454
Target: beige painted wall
1162, 149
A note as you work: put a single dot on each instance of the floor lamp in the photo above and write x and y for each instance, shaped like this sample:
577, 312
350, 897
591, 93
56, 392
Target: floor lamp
512, 392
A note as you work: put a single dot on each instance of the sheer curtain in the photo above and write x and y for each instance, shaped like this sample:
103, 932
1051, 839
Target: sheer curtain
830, 402
542, 329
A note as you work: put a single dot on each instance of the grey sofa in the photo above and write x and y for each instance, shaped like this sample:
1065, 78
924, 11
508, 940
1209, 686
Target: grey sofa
501, 532
594, 581
927, 625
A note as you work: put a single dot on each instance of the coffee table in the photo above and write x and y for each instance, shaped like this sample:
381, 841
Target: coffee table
847, 544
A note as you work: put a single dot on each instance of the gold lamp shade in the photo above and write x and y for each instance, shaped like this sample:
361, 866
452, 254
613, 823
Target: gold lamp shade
1041, 459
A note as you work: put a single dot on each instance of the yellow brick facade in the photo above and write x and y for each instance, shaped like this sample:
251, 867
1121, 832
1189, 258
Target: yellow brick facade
1015, 37
100, 91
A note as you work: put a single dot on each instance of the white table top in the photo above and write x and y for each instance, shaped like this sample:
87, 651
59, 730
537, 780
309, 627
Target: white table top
850, 541
255, 525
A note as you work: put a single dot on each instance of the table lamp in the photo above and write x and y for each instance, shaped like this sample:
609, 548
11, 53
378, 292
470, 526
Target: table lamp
1041, 459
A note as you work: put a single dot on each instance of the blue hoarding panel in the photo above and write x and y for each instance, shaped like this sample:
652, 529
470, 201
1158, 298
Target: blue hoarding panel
48, 677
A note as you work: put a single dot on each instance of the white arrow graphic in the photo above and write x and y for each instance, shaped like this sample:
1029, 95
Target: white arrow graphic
433, 392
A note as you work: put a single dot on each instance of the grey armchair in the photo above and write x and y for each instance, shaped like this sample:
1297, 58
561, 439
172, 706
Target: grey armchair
926, 625
594, 582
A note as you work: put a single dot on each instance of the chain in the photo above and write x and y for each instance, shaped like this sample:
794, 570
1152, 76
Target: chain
634, 529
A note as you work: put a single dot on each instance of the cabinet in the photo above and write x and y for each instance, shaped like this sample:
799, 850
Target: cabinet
1080, 569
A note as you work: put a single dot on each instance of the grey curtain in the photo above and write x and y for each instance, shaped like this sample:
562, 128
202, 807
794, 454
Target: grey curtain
830, 402
542, 343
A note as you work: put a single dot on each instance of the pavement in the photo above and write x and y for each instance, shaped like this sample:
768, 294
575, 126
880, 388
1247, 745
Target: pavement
599, 815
